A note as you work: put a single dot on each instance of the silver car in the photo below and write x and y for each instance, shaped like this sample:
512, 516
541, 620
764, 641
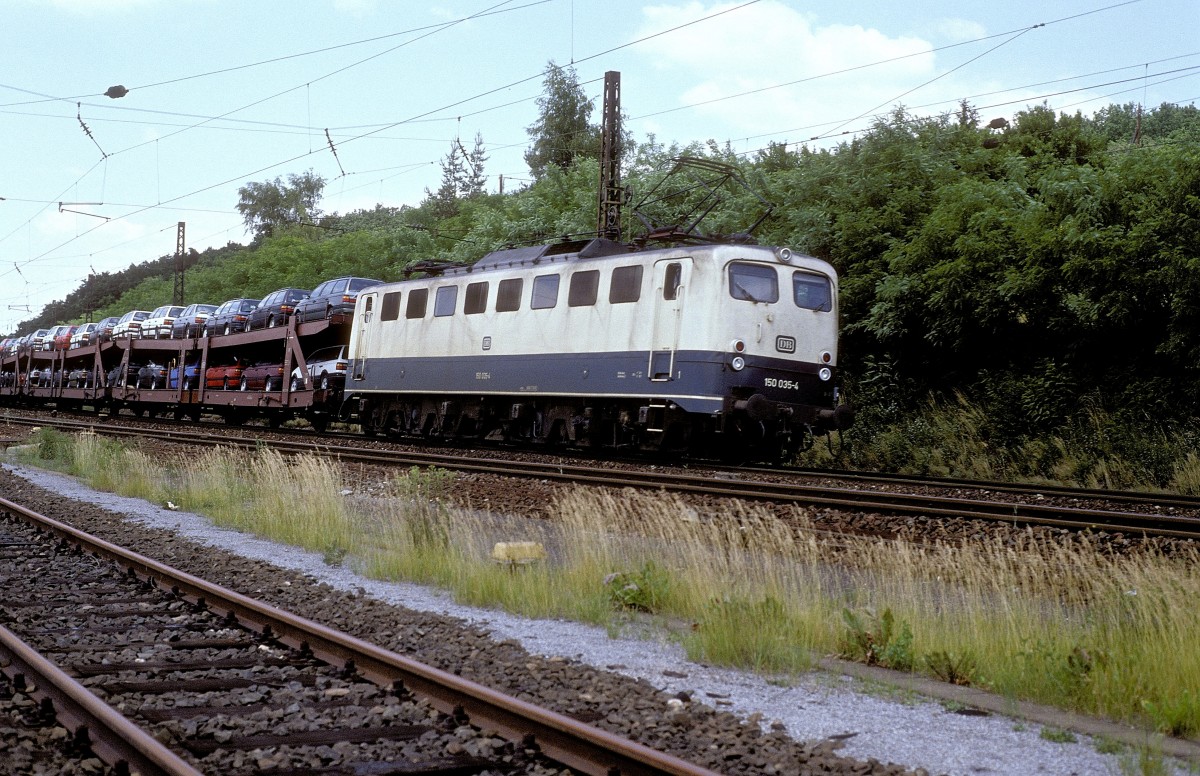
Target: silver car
130, 325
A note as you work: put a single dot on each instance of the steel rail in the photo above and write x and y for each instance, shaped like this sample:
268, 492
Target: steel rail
111, 736
579, 746
819, 496
1178, 500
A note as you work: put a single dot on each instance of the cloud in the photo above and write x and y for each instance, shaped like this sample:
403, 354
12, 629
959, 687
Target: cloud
960, 29
736, 62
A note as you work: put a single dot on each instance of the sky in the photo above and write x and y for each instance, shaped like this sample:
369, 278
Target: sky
373, 94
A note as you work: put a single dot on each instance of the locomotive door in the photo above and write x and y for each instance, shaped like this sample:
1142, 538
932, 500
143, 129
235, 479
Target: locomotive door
365, 310
670, 287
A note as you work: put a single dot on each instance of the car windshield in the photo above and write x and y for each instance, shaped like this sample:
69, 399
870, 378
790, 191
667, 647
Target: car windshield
326, 354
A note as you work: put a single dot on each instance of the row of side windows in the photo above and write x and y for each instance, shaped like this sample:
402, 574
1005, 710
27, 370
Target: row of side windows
625, 286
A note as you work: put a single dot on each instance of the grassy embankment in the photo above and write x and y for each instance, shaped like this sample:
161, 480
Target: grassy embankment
1059, 623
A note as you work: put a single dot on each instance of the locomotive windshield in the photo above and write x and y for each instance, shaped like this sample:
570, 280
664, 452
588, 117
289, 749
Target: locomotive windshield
812, 291
753, 283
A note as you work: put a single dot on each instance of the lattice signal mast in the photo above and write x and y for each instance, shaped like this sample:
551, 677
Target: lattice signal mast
608, 224
177, 296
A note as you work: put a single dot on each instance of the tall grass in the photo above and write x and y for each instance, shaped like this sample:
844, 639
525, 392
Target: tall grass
294, 501
1057, 621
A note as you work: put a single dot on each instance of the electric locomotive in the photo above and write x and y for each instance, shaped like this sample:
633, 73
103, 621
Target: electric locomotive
717, 349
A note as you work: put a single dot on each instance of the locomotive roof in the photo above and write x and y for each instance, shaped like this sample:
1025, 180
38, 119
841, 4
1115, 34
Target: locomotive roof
534, 254
567, 250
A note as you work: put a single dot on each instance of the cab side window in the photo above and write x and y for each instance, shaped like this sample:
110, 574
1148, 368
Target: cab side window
672, 281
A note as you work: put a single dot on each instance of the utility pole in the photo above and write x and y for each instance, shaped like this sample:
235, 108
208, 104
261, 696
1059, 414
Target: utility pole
608, 218
177, 297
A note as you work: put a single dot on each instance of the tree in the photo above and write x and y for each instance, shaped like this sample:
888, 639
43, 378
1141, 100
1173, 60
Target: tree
444, 201
268, 205
475, 181
562, 132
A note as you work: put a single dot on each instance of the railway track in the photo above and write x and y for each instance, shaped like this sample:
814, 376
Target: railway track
1143, 514
94, 632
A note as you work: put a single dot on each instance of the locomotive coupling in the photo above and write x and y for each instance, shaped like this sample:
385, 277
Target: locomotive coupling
759, 407
840, 417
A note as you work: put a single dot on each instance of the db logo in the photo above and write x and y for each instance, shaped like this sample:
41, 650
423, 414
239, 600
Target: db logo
785, 344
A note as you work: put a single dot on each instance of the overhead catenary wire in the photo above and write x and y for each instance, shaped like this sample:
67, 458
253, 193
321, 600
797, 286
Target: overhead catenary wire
376, 132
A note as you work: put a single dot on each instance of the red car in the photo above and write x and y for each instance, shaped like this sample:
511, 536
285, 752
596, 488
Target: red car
224, 377
262, 377
62, 340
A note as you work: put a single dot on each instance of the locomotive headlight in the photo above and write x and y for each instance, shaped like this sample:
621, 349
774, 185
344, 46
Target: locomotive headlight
737, 346
825, 373
784, 255
738, 363
826, 357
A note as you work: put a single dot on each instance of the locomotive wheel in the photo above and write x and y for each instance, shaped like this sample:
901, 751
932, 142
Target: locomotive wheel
558, 436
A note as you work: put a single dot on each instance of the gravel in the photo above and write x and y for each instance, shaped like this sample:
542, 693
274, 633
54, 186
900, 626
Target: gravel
866, 721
